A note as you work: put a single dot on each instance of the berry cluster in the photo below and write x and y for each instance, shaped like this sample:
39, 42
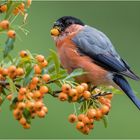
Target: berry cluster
93, 112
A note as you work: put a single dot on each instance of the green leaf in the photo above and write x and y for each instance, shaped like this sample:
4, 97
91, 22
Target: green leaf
9, 45
105, 121
75, 73
56, 61
12, 87
13, 104
27, 115
28, 76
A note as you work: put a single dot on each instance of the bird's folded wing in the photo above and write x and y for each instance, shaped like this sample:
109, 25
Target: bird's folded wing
97, 46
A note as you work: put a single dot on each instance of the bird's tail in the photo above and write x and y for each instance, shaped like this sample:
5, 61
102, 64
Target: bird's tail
124, 85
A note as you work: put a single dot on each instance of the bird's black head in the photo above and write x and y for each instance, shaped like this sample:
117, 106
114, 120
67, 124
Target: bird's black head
66, 21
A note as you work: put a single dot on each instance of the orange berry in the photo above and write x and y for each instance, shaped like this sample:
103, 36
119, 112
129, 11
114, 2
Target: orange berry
20, 97
72, 118
109, 96
86, 120
40, 58
21, 105
91, 126
4, 24
38, 105
11, 34
86, 95
80, 117
22, 121
105, 109
37, 95
3, 8
63, 96
85, 130
22, 91
91, 113
80, 125
12, 69
73, 92
46, 77
32, 86
74, 98
23, 54
35, 80
17, 114
66, 88
85, 86
80, 89
29, 95
16, 11
26, 126
29, 3
41, 113
98, 114
19, 71
45, 109
44, 63
37, 69
5, 72
30, 105
21, 7
9, 97
43, 89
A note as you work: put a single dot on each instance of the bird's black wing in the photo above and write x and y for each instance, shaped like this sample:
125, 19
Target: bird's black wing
97, 46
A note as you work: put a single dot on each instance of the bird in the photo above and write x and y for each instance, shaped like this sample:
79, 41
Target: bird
82, 46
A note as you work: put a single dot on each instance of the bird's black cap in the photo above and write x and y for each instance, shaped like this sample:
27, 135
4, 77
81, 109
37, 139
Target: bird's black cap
66, 21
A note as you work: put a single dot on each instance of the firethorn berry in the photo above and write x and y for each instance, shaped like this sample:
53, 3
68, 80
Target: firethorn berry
21, 105
5, 72
55, 32
12, 69
32, 86
17, 114
74, 98
22, 91
30, 105
85, 86
19, 71
63, 96
26, 126
45, 109
41, 113
86, 94
22, 121
80, 125
80, 89
80, 117
37, 69
66, 88
105, 109
29, 3
21, 7
11, 34
109, 96
73, 92
29, 95
43, 89
46, 77
35, 80
23, 54
72, 118
37, 95
98, 114
9, 97
20, 97
86, 120
3, 8
44, 63
91, 126
40, 58
38, 105
91, 113
4, 24
85, 130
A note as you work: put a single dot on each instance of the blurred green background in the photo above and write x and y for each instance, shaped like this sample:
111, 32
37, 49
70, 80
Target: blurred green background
121, 22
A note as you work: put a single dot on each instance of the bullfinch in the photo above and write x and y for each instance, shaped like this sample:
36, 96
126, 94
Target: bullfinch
82, 46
